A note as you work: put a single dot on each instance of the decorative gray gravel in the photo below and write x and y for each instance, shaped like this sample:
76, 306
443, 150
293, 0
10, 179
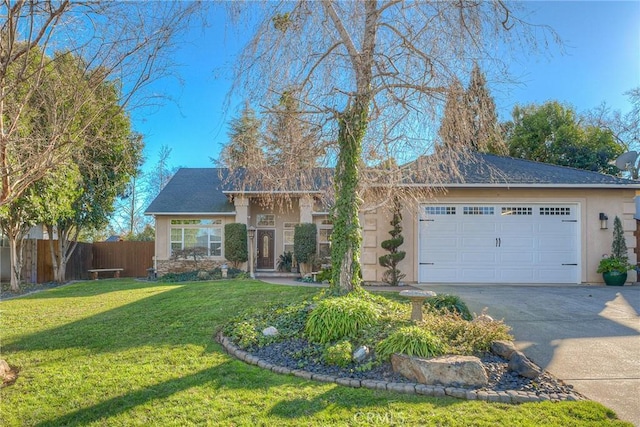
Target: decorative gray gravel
298, 357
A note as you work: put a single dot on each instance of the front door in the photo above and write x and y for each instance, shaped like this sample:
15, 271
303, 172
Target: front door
266, 260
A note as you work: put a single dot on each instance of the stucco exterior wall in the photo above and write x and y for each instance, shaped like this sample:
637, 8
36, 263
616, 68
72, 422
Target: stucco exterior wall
594, 242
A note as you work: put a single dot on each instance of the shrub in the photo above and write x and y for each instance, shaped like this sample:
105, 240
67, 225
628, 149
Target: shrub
449, 304
464, 337
244, 334
338, 354
412, 341
325, 274
235, 243
340, 317
393, 276
304, 242
285, 261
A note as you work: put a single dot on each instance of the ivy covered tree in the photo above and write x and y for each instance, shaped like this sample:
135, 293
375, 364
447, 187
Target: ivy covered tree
372, 75
393, 275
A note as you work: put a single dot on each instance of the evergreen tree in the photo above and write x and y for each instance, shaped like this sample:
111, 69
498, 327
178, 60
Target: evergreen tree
244, 141
454, 129
481, 113
470, 120
290, 140
393, 276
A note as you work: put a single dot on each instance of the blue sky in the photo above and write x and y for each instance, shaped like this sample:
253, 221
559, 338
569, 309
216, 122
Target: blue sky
601, 61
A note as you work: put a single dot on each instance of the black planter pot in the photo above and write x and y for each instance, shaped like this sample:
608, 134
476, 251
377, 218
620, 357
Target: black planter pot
615, 278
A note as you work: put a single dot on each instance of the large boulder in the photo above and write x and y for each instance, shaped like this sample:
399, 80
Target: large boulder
520, 364
466, 371
503, 348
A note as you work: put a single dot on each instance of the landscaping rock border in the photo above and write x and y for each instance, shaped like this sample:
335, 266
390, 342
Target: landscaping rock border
508, 396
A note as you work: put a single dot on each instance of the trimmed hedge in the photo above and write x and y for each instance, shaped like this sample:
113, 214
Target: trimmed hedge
305, 241
235, 243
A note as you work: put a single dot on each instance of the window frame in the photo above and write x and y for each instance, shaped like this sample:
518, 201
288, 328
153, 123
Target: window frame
214, 235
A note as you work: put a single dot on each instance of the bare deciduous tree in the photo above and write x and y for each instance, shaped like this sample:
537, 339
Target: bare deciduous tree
373, 76
127, 44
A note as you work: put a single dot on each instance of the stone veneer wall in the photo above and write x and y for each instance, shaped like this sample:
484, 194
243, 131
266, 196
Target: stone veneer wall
183, 265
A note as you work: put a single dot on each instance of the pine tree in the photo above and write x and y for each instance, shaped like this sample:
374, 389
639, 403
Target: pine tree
393, 276
481, 113
454, 131
290, 141
244, 145
470, 120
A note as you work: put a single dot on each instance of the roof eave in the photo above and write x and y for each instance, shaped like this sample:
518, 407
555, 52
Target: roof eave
190, 213
236, 192
519, 185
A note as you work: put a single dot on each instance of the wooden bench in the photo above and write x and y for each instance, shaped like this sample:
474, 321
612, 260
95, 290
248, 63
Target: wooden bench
94, 272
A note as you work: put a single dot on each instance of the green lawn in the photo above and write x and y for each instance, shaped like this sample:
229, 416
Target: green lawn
121, 352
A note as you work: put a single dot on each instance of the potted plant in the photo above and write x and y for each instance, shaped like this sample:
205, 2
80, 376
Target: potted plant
614, 267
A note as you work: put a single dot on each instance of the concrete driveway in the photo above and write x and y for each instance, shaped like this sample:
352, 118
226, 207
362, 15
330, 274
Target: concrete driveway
588, 336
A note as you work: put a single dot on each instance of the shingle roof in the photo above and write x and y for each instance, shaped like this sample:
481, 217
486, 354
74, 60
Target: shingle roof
202, 190
197, 190
496, 170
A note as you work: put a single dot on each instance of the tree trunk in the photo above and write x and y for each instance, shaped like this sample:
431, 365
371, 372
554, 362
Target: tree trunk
65, 248
346, 236
15, 248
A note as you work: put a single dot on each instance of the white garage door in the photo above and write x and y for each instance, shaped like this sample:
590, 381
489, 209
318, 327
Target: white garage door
499, 243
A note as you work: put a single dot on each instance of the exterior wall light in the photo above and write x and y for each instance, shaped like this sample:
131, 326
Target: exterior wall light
603, 221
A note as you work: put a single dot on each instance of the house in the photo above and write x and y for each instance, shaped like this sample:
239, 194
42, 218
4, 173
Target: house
502, 220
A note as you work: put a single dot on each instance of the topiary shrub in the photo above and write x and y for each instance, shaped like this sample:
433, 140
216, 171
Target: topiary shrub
235, 243
338, 354
412, 341
305, 241
340, 317
448, 304
393, 275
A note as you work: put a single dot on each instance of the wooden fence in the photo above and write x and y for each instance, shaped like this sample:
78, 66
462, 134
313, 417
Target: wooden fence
77, 266
134, 257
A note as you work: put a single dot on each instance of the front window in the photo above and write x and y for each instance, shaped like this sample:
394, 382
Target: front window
266, 220
324, 243
188, 234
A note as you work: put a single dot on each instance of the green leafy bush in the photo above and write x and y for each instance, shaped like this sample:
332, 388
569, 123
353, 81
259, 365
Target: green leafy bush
305, 242
244, 334
338, 354
235, 243
325, 274
448, 304
340, 317
412, 341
